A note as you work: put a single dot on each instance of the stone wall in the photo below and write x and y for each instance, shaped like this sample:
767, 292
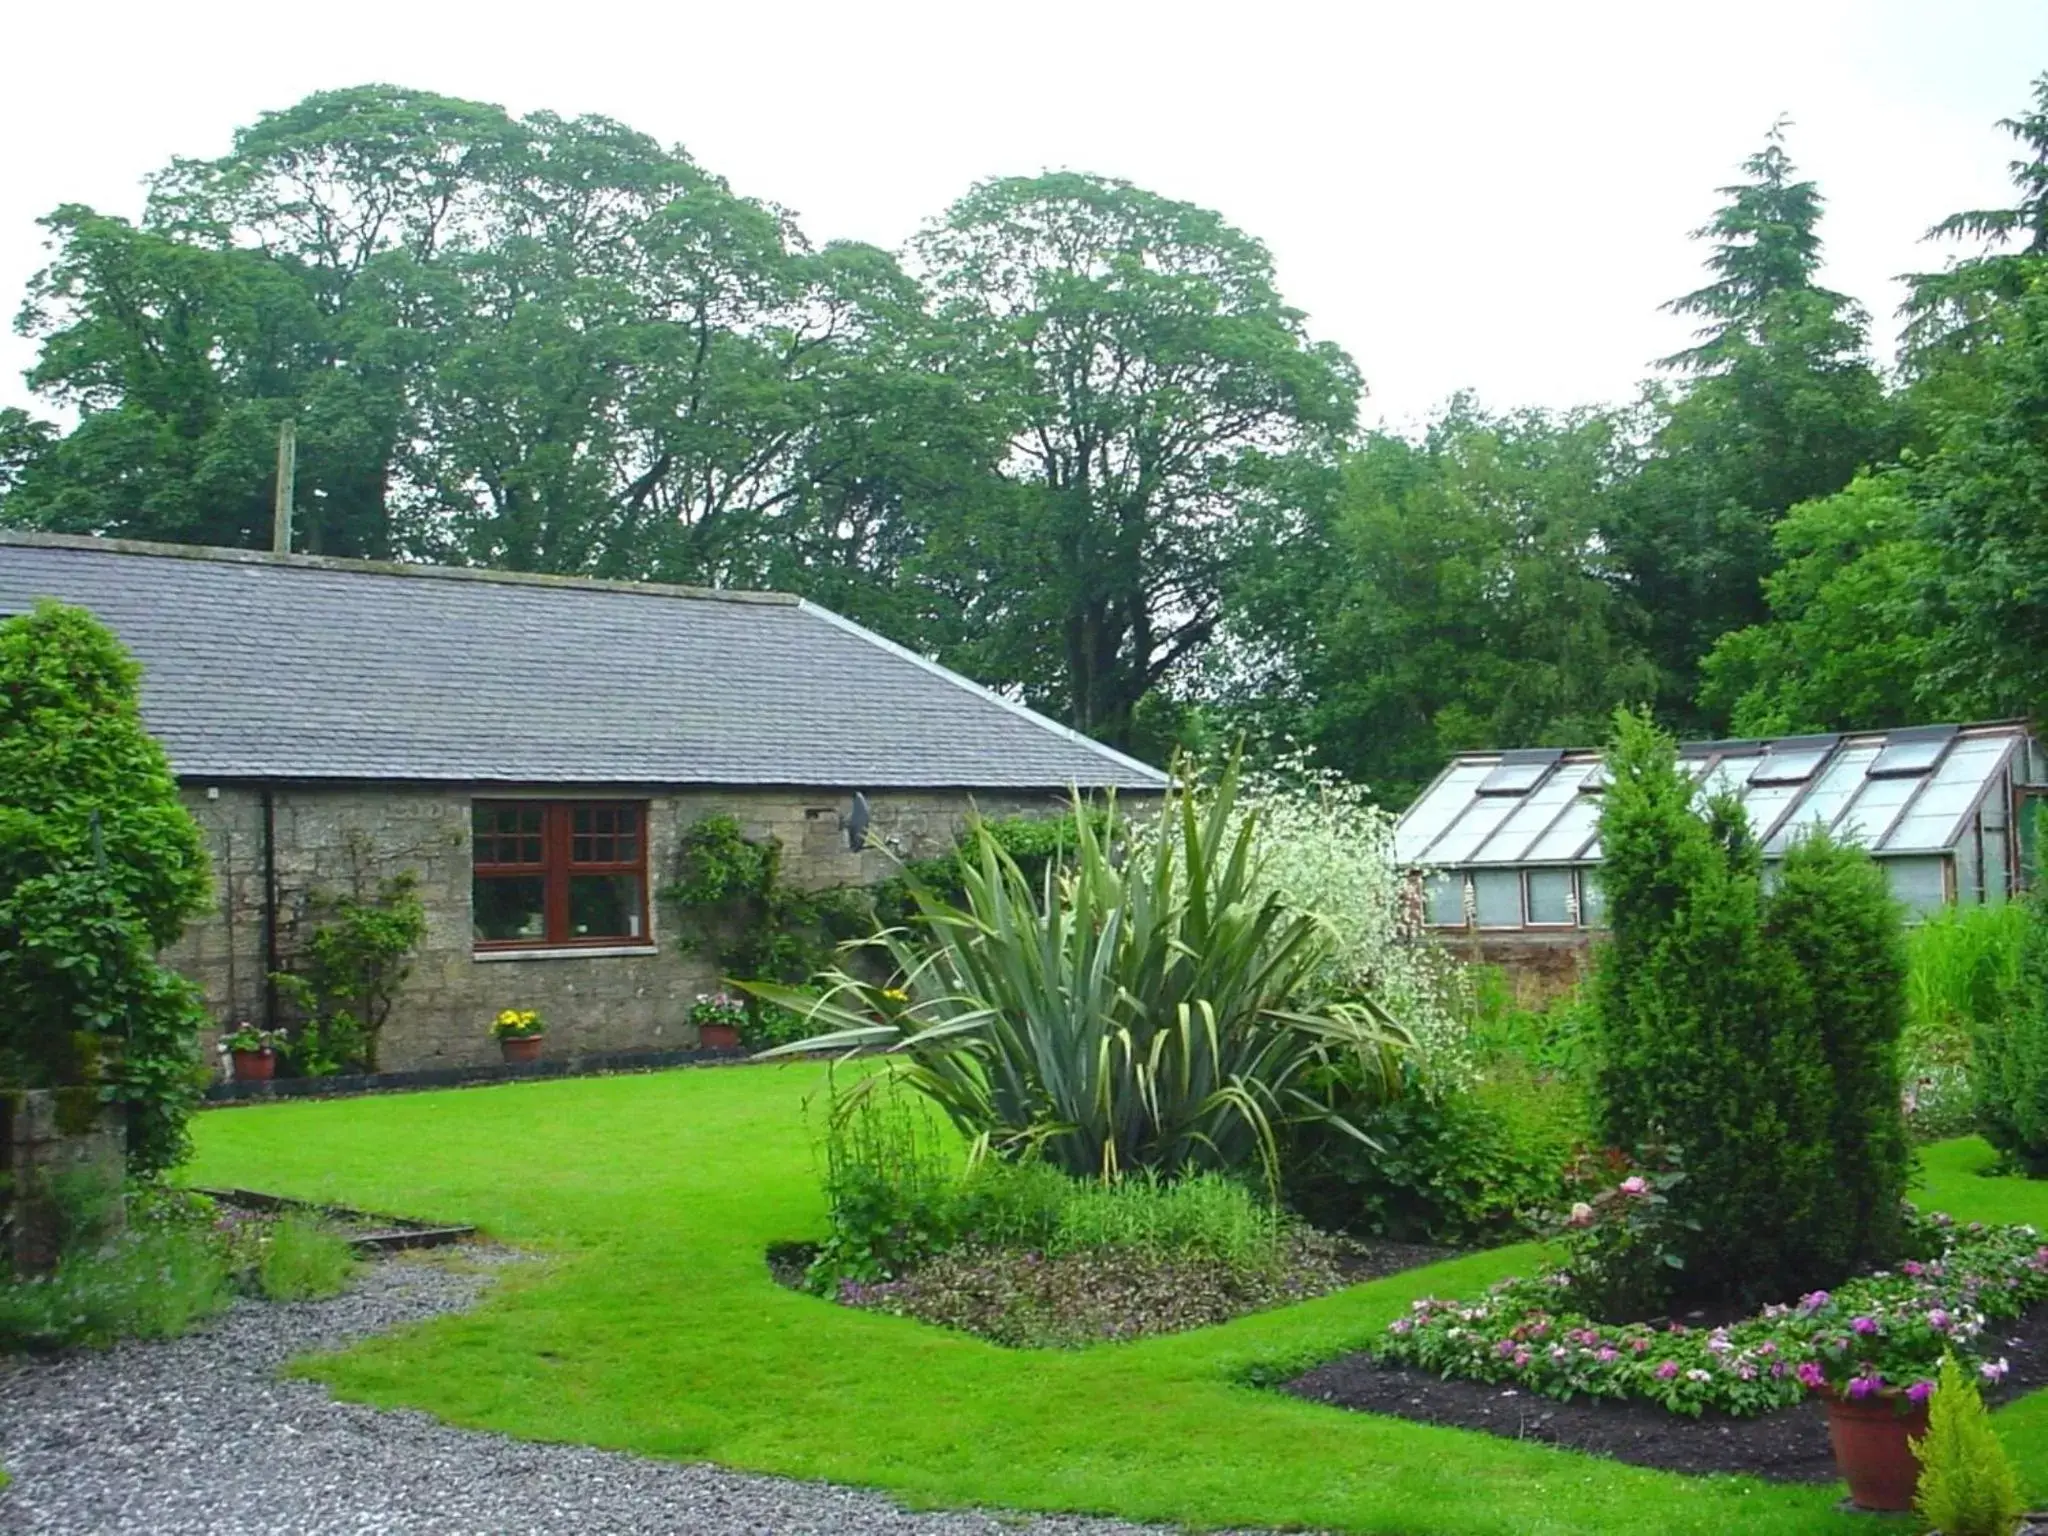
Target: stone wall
338, 838
48, 1137
1540, 967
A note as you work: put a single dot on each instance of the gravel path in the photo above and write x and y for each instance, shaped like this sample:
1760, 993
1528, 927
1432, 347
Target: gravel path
200, 1435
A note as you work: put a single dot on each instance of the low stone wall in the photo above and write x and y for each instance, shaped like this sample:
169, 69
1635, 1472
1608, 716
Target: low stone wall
334, 837
1540, 967
49, 1137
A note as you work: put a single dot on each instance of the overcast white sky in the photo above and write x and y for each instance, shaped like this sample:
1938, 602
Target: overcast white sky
1493, 196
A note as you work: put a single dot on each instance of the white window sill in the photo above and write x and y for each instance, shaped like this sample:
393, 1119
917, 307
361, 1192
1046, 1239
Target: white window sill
566, 952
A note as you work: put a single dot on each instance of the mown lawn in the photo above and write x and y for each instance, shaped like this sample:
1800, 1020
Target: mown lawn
656, 1329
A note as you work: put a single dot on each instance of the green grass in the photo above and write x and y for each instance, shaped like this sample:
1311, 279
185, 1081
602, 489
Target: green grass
657, 1329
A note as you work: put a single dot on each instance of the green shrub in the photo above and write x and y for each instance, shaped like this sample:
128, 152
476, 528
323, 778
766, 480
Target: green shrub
353, 956
1967, 1483
1832, 916
1035, 843
1702, 1044
1449, 1164
2010, 1070
733, 905
1556, 1038
304, 1260
892, 1186
100, 865
1963, 968
153, 1282
1152, 1013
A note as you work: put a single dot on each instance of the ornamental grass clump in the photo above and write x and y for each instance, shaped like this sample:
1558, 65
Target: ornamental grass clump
1967, 1483
1153, 1006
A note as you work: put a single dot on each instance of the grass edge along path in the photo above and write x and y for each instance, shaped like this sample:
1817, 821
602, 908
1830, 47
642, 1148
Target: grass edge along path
656, 1329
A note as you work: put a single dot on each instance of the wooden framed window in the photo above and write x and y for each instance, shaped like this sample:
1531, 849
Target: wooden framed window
554, 874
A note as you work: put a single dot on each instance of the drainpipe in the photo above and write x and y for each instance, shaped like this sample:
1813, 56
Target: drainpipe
269, 909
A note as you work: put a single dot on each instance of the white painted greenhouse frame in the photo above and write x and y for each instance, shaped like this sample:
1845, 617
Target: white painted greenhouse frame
1510, 840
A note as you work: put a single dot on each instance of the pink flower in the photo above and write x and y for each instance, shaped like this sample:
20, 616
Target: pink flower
1635, 1184
1919, 1392
1809, 1374
1605, 1355
1640, 1346
1813, 1301
1863, 1325
1667, 1370
1938, 1320
1400, 1325
1993, 1371
1861, 1387
1912, 1268
1521, 1359
1504, 1348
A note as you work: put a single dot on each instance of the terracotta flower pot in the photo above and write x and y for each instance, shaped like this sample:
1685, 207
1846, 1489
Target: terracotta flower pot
519, 1048
718, 1037
255, 1066
1870, 1436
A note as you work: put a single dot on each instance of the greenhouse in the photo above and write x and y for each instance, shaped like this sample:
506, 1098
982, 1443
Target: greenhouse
1509, 841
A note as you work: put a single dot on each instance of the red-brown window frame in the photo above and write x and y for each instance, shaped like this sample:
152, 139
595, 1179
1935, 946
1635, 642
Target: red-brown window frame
558, 819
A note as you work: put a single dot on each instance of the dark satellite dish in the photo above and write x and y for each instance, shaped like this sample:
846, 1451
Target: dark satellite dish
857, 823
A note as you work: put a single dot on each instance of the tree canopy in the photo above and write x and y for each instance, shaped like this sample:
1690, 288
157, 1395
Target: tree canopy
1072, 441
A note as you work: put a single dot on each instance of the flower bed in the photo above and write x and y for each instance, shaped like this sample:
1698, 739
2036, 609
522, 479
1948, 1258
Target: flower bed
1882, 1330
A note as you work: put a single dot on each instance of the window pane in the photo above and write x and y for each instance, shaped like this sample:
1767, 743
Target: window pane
508, 907
604, 907
1447, 901
1498, 896
1996, 873
1550, 896
1592, 900
1917, 883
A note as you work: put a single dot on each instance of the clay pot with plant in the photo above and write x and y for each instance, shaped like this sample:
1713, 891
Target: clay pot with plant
719, 1018
253, 1051
519, 1033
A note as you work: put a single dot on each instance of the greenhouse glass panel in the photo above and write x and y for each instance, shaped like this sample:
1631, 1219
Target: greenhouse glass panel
1497, 896
1918, 883
1550, 897
1790, 767
1871, 814
1592, 899
1997, 871
1841, 779
1514, 778
1910, 757
1482, 817
1426, 821
1510, 845
1767, 803
1930, 821
1574, 829
1969, 874
1447, 901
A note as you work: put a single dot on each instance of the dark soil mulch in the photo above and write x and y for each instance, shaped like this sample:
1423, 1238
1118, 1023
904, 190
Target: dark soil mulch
1027, 1300
1791, 1444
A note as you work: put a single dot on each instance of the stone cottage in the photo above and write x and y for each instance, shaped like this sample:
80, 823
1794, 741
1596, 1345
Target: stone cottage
531, 748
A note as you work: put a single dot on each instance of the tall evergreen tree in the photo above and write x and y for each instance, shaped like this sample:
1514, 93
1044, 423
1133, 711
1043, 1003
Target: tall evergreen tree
1779, 404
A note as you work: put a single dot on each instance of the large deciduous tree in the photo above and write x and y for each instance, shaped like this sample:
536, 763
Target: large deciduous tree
1159, 401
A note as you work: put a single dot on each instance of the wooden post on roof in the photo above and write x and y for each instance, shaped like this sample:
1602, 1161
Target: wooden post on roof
287, 472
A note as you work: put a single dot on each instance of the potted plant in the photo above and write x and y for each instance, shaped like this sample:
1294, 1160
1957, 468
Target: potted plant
1875, 1369
719, 1018
253, 1051
519, 1032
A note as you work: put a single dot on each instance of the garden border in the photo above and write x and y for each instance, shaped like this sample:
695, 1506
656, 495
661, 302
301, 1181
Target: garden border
396, 1235
578, 1064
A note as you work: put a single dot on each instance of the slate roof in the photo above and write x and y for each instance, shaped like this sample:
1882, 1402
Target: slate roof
298, 667
1905, 791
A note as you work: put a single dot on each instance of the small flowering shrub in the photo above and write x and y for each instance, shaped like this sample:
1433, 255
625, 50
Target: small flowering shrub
1885, 1332
1622, 1243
